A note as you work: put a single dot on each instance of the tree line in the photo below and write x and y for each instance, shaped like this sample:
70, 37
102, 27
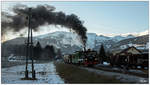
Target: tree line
49, 52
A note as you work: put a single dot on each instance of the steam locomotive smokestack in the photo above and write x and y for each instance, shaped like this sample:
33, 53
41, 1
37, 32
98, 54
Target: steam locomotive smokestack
84, 48
40, 16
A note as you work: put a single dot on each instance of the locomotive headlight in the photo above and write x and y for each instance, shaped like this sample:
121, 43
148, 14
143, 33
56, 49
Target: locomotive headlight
95, 58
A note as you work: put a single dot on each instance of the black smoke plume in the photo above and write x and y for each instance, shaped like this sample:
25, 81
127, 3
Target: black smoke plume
42, 15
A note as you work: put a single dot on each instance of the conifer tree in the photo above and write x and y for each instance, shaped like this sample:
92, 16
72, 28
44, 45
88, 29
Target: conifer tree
59, 54
102, 55
37, 50
50, 51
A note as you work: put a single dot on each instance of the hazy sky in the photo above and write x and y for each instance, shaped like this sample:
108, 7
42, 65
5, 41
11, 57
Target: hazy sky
101, 17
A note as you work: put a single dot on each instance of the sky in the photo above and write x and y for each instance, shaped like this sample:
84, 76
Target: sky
106, 18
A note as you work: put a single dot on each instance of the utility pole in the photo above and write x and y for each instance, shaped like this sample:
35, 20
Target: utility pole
31, 46
29, 49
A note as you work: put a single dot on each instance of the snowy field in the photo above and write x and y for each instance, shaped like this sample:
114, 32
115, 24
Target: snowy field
45, 74
122, 77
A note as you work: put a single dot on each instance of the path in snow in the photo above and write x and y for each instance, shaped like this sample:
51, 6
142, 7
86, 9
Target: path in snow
45, 74
122, 77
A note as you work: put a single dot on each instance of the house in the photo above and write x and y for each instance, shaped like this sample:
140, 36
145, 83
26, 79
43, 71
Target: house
131, 56
129, 51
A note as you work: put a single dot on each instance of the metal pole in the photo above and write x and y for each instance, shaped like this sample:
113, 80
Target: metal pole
27, 48
31, 48
33, 71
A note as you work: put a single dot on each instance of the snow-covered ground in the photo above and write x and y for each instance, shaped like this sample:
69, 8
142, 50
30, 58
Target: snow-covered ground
122, 77
45, 74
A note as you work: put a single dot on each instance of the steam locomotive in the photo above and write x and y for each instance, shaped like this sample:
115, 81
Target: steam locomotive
85, 58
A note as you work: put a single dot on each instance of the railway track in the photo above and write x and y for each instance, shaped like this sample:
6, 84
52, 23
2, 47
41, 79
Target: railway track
109, 69
119, 70
123, 77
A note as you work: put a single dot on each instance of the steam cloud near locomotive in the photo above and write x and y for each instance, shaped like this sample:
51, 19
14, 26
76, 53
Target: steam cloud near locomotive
42, 15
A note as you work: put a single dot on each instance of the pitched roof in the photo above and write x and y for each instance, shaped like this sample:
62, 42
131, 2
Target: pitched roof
123, 51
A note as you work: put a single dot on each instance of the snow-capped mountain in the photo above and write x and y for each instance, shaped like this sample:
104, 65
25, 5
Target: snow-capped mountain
141, 42
69, 42
60, 38
146, 32
119, 37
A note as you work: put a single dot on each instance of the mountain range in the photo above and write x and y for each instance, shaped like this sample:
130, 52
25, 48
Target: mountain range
69, 42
